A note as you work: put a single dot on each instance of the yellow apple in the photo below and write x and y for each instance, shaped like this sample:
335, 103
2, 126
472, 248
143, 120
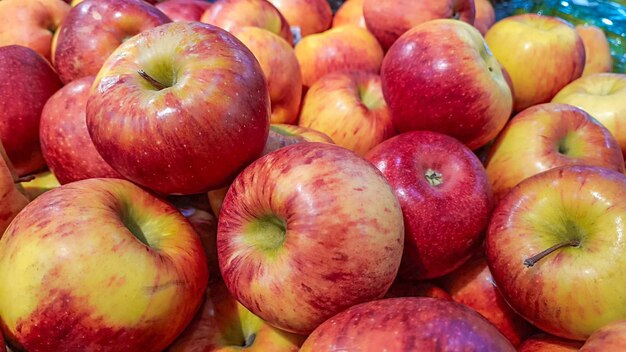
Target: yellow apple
597, 50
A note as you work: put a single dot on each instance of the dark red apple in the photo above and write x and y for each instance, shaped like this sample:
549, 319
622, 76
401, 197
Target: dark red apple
417, 289
184, 10
547, 343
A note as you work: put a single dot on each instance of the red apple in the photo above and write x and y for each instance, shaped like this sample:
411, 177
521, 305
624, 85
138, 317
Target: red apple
350, 108
611, 337
28, 81
12, 195
350, 12
453, 86
407, 324
389, 19
306, 16
416, 289
547, 343
299, 238
170, 103
554, 248
485, 16
94, 29
65, 141
597, 50
99, 265
184, 10
445, 197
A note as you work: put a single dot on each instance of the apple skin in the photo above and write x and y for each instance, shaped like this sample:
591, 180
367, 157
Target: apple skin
42, 183
183, 10
546, 136
542, 54
69, 258
281, 69
311, 16
442, 231
611, 337
472, 285
417, 289
223, 325
390, 19
230, 14
345, 48
597, 51
485, 16
12, 196
31, 23
94, 29
300, 240
455, 87
584, 204
22, 99
350, 108
173, 140
603, 96
547, 343
407, 324
350, 12
65, 141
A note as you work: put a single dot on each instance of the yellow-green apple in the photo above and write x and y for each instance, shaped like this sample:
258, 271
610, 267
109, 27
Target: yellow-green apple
13, 198
547, 343
306, 16
546, 136
170, 103
389, 19
65, 142
350, 108
542, 54
416, 289
345, 48
28, 81
407, 324
224, 325
603, 96
299, 238
99, 265
94, 29
183, 10
453, 86
230, 14
485, 16
350, 12
473, 286
554, 248
445, 197
40, 184
611, 337
597, 51
281, 69
31, 23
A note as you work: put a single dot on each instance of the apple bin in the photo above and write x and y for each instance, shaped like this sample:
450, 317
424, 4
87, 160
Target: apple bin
312, 175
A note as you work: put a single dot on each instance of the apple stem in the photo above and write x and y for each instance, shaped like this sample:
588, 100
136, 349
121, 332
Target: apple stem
433, 177
26, 178
537, 257
156, 84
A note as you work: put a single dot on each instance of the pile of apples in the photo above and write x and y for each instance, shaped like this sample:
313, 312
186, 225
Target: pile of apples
267, 175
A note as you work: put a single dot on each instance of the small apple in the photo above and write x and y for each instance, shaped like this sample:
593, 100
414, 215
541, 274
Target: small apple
547, 343
485, 16
183, 10
611, 337
350, 12
597, 51
307, 16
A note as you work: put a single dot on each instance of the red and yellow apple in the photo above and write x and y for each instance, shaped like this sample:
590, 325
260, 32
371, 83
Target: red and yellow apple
307, 16
350, 12
597, 51
183, 10
547, 343
485, 16
611, 337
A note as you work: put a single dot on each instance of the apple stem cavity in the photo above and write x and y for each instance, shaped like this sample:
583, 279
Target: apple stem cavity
156, 84
433, 177
26, 178
249, 340
537, 257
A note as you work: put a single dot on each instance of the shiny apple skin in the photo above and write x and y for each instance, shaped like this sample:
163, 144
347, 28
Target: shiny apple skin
407, 324
174, 140
571, 292
311, 16
29, 82
455, 87
183, 10
547, 343
598, 57
350, 13
611, 337
327, 245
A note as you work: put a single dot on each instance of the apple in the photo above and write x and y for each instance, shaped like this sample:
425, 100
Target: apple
436, 178
597, 51
99, 265
169, 103
473, 286
547, 343
306, 17
350, 108
455, 87
542, 54
281, 69
183, 10
350, 12
546, 136
31, 23
389, 19
603, 96
416, 289
93, 29
345, 48
28, 81
485, 16
41, 183
299, 238
12, 195
65, 141
407, 324
554, 248
611, 337
223, 324
230, 14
